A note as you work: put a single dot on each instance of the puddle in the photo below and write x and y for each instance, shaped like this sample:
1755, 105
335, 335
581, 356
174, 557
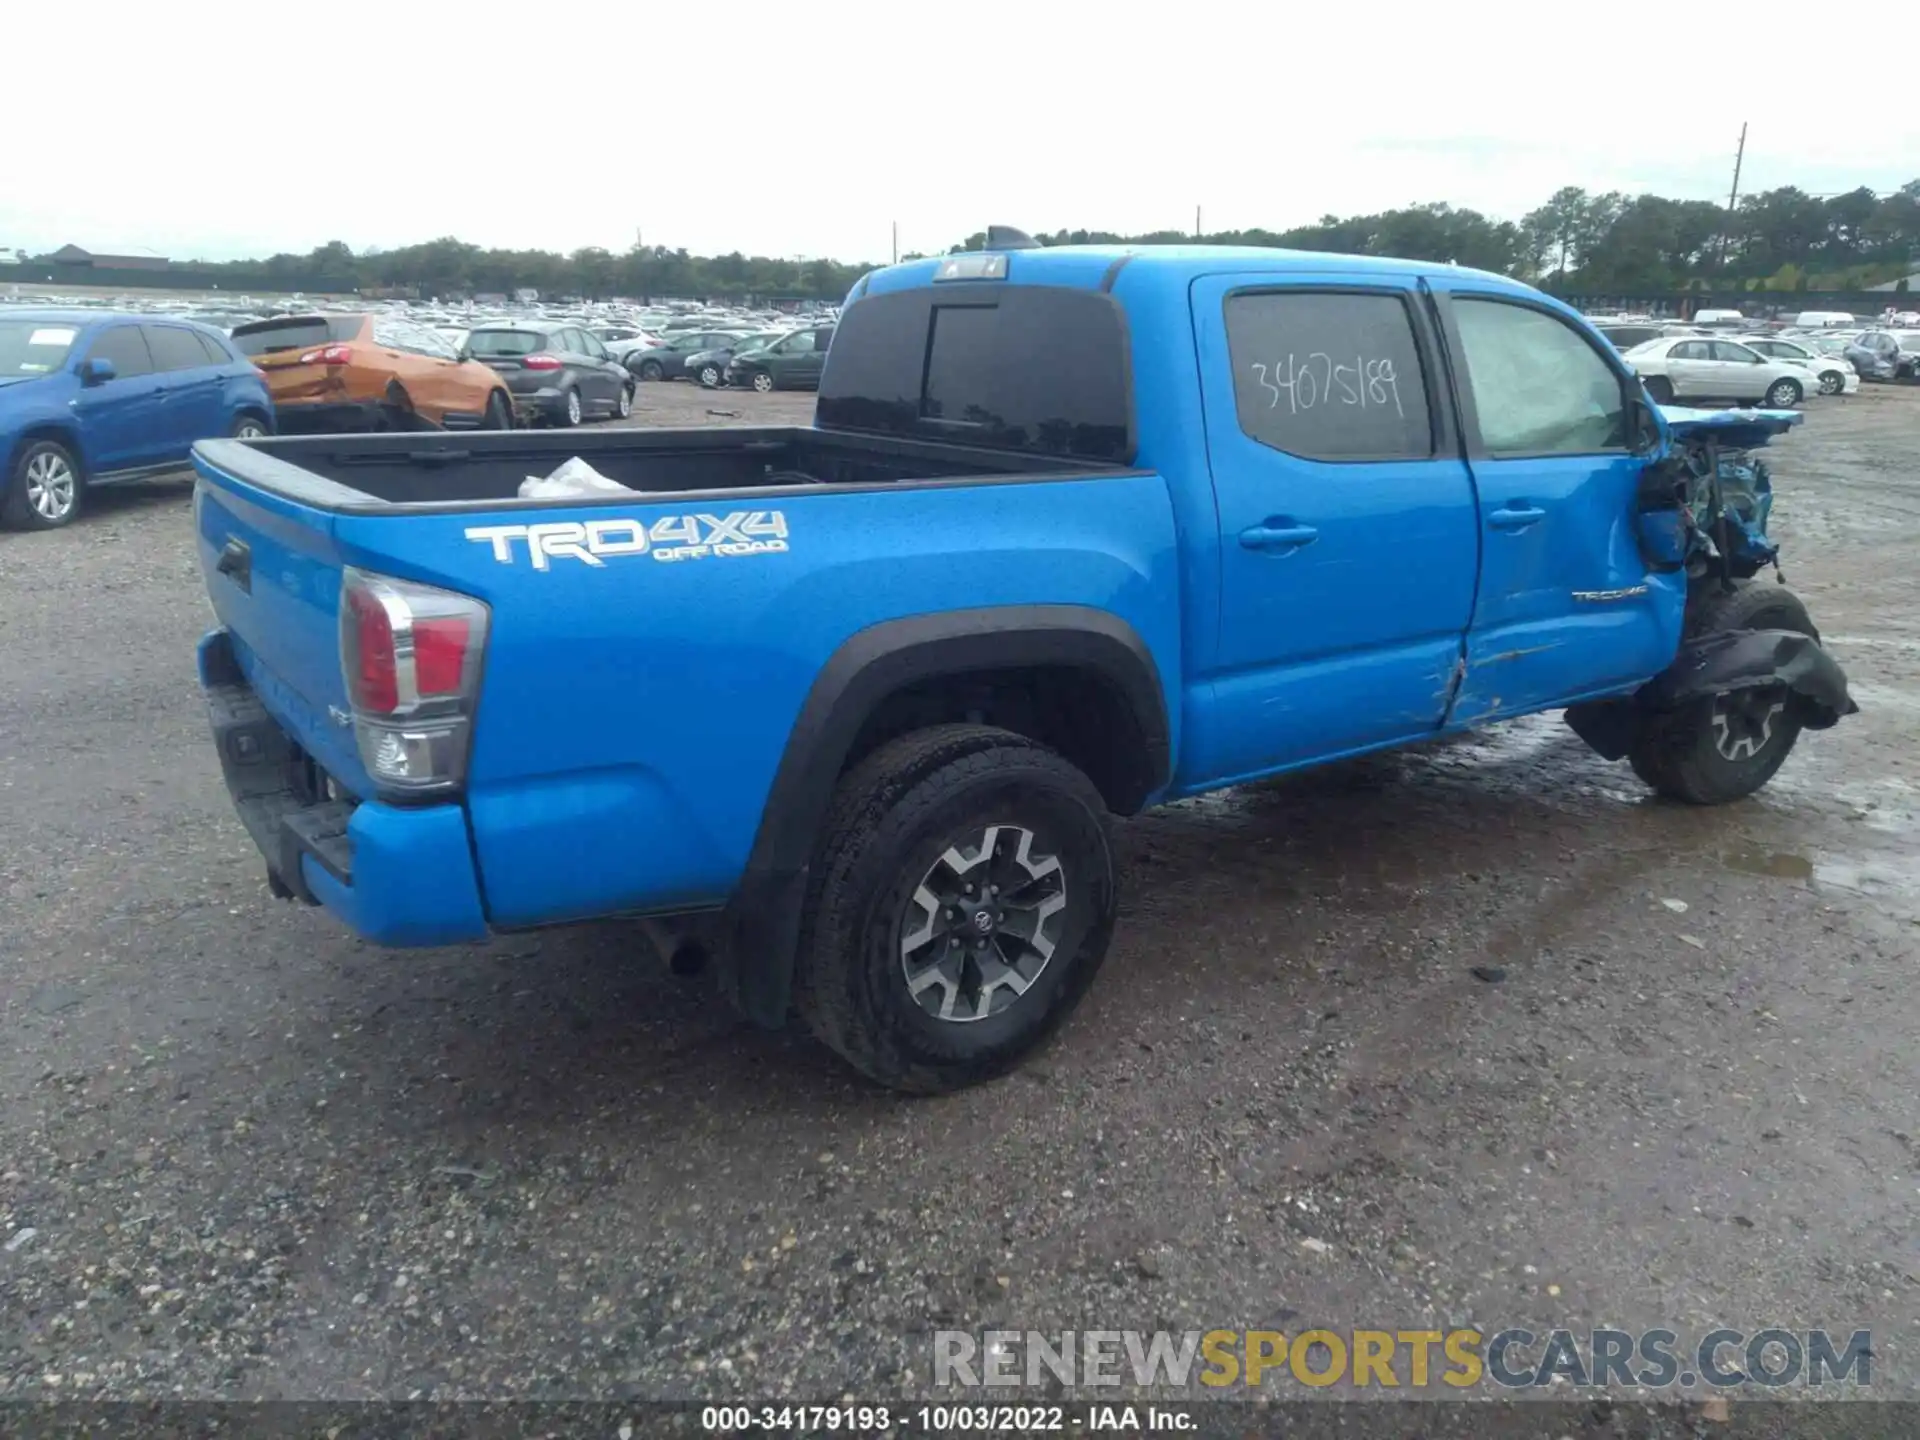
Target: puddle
1759, 862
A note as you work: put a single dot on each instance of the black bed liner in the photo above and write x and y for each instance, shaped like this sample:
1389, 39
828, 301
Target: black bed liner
360, 473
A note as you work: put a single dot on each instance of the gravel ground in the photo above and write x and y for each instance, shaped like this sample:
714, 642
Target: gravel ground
242, 1154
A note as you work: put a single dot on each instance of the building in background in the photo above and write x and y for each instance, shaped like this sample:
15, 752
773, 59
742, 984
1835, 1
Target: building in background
128, 257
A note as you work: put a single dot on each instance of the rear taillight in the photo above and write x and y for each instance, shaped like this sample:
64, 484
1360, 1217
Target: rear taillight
541, 362
411, 654
328, 355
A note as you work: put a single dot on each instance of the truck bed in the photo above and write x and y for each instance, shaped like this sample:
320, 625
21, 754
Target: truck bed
359, 473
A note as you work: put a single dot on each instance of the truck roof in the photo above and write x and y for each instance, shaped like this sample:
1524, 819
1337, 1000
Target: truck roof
1091, 266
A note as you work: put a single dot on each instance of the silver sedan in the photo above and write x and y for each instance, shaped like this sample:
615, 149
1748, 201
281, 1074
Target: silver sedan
1692, 368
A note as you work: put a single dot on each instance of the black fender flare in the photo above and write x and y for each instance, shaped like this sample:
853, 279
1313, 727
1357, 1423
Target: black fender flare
1712, 664
761, 922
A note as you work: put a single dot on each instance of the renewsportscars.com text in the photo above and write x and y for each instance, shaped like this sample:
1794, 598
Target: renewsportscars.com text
1511, 1359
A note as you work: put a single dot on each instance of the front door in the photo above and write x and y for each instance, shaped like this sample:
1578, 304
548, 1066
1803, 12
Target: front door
1690, 369
120, 418
1566, 607
1347, 544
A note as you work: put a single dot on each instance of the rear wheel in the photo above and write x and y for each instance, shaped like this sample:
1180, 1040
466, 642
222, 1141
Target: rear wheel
44, 489
1784, 393
960, 904
1724, 747
570, 409
1659, 389
499, 414
396, 410
1832, 382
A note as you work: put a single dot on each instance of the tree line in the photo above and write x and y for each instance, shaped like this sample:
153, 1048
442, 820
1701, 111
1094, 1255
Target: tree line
1578, 243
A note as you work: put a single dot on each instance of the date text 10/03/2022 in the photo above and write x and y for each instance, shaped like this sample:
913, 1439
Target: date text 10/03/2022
941, 1419
1319, 379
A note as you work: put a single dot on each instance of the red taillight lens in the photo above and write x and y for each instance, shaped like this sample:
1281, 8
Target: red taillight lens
410, 654
541, 362
328, 355
373, 679
440, 655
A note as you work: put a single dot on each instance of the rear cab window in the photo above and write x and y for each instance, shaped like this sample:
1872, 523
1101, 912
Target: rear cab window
1011, 367
1329, 375
300, 332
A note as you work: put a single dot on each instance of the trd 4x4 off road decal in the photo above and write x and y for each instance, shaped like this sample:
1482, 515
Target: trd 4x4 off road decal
672, 537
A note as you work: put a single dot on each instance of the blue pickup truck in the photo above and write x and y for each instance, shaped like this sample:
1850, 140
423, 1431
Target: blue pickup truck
1076, 531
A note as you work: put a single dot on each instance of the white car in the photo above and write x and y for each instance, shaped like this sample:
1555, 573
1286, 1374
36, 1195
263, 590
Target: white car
1692, 368
1834, 372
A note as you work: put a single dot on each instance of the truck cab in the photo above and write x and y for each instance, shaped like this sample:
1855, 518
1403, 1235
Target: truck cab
1075, 531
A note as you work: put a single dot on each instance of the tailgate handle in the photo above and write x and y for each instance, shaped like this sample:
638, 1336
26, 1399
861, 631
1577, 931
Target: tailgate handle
236, 562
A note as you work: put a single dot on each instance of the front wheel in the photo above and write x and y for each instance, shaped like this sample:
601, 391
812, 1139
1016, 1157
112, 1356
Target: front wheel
570, 409
960, 904
1784, 394
43, 492
248, 427
652, 370
1722, 748
710, 376
624, 406
763, 381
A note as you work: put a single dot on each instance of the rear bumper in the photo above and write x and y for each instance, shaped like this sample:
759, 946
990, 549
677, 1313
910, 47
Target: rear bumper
328, 417
401, 876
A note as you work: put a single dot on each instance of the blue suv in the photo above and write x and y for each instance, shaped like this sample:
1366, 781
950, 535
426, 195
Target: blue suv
92, 399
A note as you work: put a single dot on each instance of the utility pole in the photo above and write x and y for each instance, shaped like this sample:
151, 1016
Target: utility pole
1733, 195
896, 242
1196, 222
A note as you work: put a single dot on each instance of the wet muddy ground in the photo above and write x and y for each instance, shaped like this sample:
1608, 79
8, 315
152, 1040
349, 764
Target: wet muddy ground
1478, 1034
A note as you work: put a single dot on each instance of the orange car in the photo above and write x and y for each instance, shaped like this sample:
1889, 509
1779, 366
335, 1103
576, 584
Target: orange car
370, 372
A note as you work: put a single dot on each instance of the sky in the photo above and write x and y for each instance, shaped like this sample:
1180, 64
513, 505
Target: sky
205, 129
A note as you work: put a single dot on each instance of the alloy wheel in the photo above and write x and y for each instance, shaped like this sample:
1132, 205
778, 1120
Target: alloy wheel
50, 486
982, 924
1743, 720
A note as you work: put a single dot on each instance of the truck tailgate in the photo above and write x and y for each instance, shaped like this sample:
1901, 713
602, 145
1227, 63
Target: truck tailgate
273, 575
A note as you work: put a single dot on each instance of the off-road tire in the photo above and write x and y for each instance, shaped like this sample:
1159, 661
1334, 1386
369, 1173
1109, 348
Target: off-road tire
892, 816
1677, 753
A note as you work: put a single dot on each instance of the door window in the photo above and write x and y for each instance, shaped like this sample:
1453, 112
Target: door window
1728, 353
798, 343
1539, 386
1690, 350
124, 346
174, 349
1328, 375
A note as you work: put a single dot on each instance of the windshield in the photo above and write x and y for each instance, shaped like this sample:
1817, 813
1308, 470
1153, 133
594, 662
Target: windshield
504, 343
33, 347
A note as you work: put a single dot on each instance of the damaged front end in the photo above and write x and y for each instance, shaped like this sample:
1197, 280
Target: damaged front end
1703, 510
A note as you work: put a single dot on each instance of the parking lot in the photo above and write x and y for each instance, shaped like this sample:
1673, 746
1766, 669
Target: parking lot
1478, 1034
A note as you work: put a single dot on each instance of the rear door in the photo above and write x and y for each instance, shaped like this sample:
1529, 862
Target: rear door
1690, 368
120, 418
190, 389
1347, 539
1565, 605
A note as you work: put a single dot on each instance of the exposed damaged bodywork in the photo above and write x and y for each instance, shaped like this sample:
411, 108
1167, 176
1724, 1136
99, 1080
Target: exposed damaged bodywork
1704, 510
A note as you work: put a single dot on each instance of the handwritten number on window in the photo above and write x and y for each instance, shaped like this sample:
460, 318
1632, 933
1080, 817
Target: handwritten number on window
1320, 380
